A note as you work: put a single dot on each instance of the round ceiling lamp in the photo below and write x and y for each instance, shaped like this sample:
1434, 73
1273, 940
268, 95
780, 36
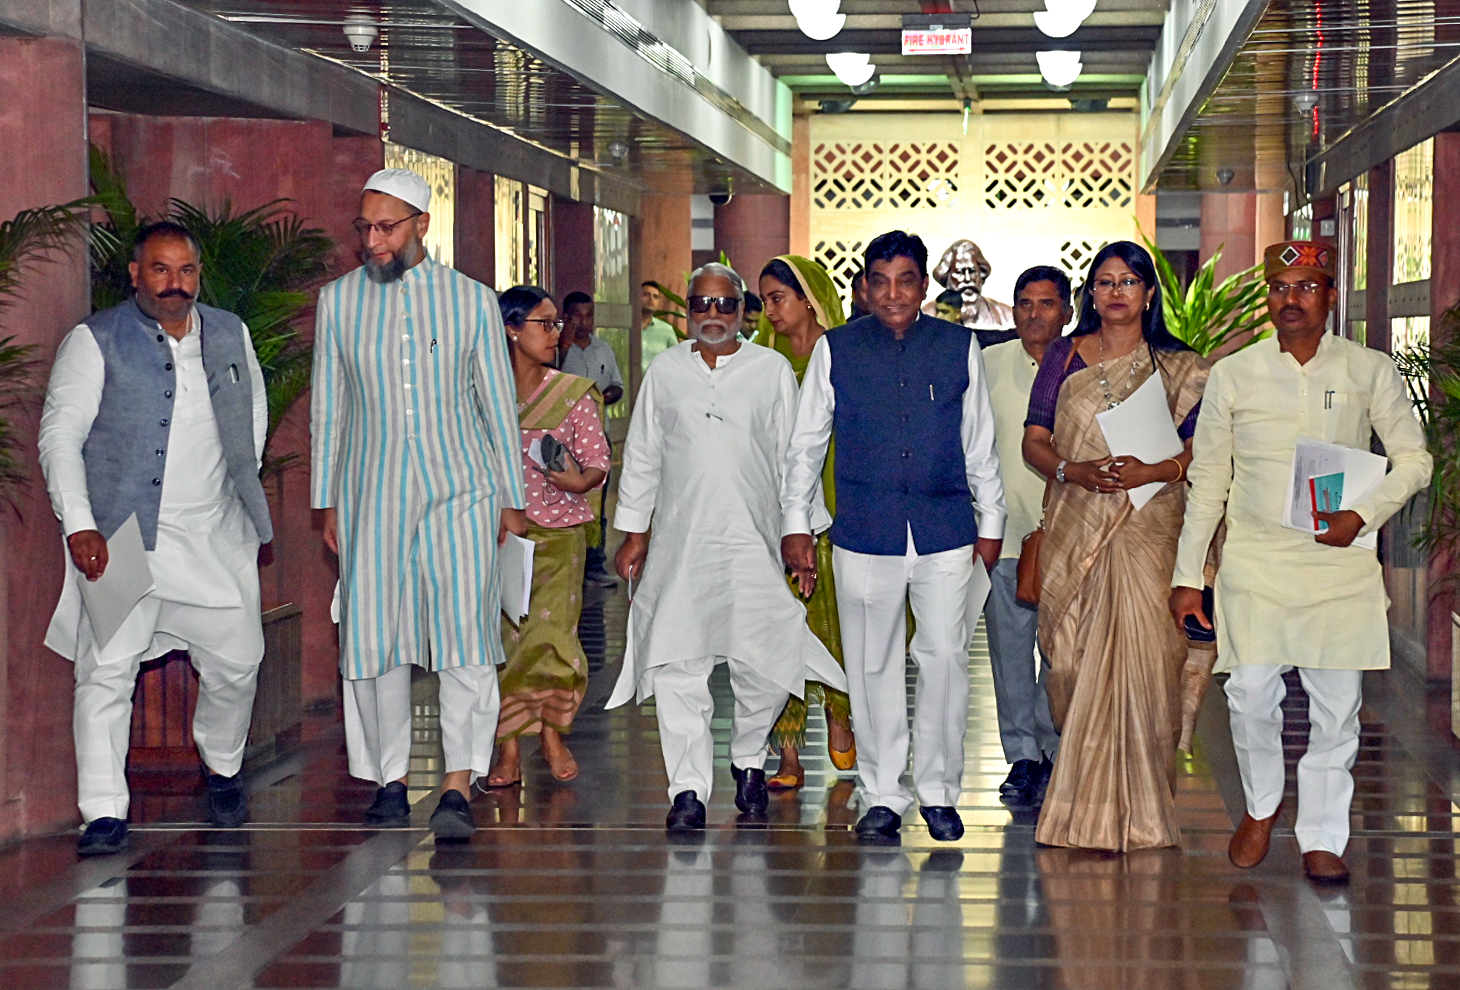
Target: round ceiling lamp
852, 68
1059, 69
819, 20
1061, 18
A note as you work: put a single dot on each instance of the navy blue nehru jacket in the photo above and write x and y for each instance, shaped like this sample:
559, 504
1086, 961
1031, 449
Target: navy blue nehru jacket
899, 449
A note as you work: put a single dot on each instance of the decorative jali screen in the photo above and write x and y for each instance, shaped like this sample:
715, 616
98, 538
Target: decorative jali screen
1028, 189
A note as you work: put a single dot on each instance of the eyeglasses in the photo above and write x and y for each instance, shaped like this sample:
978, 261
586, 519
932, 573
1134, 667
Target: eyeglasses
547, 324
702, 304
383, 228
1307, 289
1105, 286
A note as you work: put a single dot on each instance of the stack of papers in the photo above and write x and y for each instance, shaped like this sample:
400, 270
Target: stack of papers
125, 582
1324, 478
1141, 427
514, 571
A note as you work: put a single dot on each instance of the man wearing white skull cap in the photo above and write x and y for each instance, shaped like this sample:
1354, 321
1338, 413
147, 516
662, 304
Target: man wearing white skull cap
414, 461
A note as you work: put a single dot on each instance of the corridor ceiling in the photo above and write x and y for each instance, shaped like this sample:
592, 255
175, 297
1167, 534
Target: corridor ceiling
1344, 59
429, 49
1116, 42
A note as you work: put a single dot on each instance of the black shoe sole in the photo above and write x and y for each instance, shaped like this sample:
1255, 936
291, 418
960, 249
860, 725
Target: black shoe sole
229, 821
451, 827
394, 821
99, 849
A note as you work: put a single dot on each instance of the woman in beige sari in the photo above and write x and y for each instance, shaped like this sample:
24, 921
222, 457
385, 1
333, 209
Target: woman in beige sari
1115, 656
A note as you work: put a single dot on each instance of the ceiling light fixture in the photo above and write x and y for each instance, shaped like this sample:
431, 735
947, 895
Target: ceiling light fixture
819, 20
852, 68
1059, 69
1061, 18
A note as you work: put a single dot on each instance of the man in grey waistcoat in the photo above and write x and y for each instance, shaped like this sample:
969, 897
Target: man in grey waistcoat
156, 409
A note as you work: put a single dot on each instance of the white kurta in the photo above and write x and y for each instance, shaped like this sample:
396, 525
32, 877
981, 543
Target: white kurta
1282, 597
414, 442
703, 463
1011, 371
206, 550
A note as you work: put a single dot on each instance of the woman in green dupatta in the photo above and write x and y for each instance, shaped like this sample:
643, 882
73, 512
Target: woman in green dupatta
801, 304
546, 673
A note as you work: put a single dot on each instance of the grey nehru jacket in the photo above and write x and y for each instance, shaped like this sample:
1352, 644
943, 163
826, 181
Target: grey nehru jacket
126, 451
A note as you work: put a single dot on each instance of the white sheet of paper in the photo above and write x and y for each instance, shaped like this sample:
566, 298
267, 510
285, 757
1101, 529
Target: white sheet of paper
534, 451
978, 593
1362, 472
514, 568
1141, 427
125, 582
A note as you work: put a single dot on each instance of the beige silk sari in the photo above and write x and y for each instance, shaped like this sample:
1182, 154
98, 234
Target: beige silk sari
1115, 655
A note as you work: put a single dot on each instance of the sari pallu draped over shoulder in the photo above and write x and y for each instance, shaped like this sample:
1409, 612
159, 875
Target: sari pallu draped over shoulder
1115, 655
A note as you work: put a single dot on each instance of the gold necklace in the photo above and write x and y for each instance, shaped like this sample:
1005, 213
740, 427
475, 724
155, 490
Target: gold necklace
1110, 401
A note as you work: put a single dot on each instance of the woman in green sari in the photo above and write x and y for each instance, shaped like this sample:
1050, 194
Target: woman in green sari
801, 304
546, 672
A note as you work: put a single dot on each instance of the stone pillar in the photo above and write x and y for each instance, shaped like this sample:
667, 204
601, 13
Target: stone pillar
1381, 255
664, 241
752, 230
43, 156
572, 248
1444, 294
1229, 224
800, 227
476, 225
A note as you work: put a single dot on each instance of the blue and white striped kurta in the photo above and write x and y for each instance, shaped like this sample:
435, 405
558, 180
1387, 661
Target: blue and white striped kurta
414, 444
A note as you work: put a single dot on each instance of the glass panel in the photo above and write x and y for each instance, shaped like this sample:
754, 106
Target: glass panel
618, 339
1414, 193
611, 257
1358, 331
1360, 253
538, 265
1409, 332
440, 175
511, 233
1302, 223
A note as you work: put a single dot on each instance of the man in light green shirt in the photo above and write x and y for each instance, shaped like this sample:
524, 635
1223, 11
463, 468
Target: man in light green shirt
1041, 311
655, 335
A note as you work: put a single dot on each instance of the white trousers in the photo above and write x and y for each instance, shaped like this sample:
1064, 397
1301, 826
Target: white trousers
378, 721
684, 705
225, 645
1255, 694
871, 592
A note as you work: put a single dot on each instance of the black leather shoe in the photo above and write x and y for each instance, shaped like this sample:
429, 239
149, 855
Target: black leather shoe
102, 837
1022, 779
878, 824
751, 793
391, 808
227, 805
452, 820
943, 822
687, 814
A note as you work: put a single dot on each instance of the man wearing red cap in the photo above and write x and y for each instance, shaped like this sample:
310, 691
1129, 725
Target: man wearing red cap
1285, 600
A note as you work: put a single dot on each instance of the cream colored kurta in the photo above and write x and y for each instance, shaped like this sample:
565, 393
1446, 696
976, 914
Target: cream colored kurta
703, 464
1282, 597
1011, 372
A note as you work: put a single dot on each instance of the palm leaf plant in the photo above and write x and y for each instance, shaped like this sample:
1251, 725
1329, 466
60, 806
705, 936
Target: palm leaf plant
259, 264
1206, 314
26, 239
1432, 376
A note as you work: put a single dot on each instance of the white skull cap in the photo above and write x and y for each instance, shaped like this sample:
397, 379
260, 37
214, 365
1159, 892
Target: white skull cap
403, 184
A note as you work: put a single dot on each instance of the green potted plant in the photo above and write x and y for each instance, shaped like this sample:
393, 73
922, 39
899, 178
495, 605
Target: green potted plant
1208, 315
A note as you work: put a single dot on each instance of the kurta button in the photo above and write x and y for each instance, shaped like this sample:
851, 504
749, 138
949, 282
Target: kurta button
907, 453
902, 384
167, 366
167, 394
162, 423
159, 451
157, 481
159, 338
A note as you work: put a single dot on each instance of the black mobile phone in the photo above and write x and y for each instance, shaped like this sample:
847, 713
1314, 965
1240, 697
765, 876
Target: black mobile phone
1194, 630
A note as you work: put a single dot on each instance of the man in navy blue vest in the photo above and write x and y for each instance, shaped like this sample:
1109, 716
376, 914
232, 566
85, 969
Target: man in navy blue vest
919, 504
156, 413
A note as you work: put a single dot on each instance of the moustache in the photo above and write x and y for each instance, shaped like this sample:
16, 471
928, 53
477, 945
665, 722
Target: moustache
1291, 311
175, 294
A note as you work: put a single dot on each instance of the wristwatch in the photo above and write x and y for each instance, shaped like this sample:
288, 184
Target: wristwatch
1059, 472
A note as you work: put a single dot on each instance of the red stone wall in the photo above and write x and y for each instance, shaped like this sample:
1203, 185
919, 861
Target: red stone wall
43, 159
752, 230
476, 224
572, 246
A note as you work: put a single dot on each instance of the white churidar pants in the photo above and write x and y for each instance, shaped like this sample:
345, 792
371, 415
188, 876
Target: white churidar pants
378, 721
225, 645
871, 592
1255, 694
684, 705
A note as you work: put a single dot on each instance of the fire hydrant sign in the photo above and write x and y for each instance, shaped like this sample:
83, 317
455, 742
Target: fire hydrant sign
937, 41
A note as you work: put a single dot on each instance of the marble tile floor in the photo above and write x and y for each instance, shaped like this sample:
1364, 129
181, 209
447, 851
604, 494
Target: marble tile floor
577, 885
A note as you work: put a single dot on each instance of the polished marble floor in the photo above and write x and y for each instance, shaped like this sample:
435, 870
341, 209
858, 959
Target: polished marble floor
577, 885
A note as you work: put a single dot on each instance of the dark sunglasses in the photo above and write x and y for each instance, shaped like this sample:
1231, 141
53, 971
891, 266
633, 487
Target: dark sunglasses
702, 304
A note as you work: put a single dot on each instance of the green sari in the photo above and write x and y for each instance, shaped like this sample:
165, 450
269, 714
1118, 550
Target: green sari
546, 674
790, 728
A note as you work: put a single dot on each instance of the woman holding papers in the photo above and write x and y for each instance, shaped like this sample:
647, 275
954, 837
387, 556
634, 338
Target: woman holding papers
1108, 552
564, 456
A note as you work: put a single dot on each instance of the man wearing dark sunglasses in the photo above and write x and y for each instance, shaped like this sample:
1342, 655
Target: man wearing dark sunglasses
414, 437
703, 464
919, 505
